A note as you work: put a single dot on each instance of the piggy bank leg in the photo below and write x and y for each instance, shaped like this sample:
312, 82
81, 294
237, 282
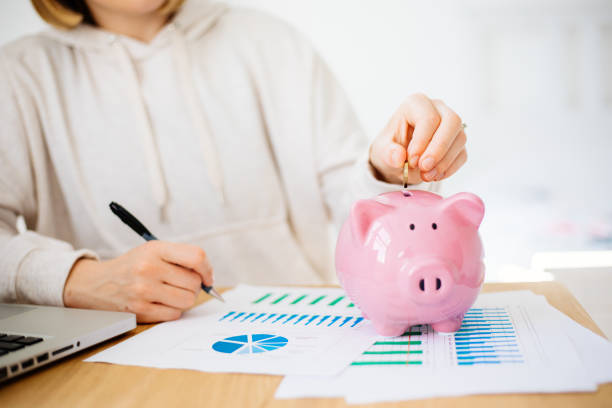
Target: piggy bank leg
389, 330
450, 326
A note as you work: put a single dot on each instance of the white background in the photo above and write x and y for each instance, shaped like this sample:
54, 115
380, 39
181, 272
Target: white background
532, 79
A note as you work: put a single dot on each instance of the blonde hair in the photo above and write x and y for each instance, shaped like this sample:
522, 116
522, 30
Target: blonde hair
68, 14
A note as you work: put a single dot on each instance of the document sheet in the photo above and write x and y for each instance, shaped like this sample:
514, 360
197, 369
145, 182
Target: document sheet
271, 330
510, 342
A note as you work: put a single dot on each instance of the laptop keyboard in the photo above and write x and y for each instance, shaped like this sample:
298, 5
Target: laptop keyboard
14, 342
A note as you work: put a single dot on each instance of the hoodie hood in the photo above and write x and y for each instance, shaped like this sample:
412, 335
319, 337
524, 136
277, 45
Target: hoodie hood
191, 22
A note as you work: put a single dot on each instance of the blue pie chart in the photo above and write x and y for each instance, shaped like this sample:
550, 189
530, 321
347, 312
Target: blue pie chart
250, 344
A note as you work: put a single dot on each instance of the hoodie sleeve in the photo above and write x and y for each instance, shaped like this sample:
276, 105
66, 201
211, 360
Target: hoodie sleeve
342, 149
33, 267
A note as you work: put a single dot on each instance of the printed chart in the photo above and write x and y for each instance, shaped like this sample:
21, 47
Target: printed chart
487, 336
270, 330
295, 319
249, 344
300, 299
406, 349
508, 342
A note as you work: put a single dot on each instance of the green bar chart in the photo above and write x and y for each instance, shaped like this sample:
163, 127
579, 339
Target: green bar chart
407, 349
303, 299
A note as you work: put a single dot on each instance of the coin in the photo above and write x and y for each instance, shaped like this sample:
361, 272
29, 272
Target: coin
406, 169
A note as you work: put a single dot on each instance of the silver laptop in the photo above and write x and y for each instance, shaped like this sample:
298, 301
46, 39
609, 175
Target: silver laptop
32, 336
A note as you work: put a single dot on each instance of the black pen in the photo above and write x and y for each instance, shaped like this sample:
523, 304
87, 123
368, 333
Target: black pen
141, 230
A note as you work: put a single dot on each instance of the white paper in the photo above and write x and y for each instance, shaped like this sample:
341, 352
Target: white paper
270, 330
510, 342
594, 351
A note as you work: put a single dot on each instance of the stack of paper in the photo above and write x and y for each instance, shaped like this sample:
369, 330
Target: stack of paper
509, 342
271, 330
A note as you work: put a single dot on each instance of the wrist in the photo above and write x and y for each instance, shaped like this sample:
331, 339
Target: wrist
74, 286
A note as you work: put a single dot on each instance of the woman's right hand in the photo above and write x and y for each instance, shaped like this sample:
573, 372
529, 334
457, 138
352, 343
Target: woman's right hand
157, 281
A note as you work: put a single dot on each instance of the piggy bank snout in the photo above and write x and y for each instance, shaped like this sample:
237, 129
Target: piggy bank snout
428, 282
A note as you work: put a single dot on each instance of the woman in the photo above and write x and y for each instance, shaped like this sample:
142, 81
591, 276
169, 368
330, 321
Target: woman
221, 129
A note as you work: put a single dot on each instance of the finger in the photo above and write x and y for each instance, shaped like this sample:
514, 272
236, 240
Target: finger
458, 145
188, 256
445, 134
392, 154
403, 133
456, 164
424, 118
172, 296
180, 277
147, 312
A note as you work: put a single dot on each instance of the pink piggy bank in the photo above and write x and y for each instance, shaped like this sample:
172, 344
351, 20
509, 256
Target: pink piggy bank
412, 258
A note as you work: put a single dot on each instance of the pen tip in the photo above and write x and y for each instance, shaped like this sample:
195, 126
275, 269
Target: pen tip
216, 295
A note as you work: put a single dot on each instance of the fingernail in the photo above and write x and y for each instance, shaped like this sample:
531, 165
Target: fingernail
440, 176
396, 157
427, 163
430, 174
414, 160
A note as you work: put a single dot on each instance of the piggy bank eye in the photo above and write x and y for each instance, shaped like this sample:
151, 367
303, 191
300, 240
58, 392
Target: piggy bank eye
434, 226
411, 227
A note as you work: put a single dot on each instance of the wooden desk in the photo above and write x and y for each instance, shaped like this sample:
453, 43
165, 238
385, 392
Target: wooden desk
73, 383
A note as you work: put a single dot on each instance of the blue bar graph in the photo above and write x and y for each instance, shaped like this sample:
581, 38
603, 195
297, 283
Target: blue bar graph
271, 315
289, 318
471, 352
324, 318
226, 316
477, 347
296, 319
247, 317
487, 336
258, 316
279, 317
311, 319
462, 343
302, 317
237, 316
483, 328
468, 333
485, 320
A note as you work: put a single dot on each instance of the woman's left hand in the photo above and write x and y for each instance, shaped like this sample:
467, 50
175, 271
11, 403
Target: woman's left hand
425, 132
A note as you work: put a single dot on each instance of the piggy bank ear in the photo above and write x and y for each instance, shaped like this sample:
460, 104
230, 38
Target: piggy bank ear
363, 214
467, 206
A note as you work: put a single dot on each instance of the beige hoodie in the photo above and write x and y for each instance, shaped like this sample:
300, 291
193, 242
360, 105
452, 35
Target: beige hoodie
227, 131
